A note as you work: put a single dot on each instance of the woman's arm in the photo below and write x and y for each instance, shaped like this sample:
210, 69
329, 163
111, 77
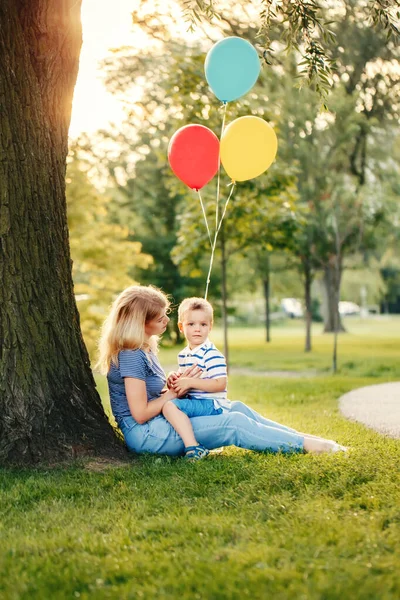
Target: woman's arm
183, 384
141, 409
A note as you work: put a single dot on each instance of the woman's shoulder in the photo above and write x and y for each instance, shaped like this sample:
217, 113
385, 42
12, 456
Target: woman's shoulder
133, 355
129, 351
133, 363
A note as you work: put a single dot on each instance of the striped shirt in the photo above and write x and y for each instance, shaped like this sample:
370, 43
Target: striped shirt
213, 364
139, 365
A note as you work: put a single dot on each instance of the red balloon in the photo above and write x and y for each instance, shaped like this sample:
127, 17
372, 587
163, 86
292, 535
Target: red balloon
193, 154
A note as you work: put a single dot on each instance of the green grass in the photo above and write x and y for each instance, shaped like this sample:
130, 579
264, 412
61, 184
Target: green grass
238, 525
370, 348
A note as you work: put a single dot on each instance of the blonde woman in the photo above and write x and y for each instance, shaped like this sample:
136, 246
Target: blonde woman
136, 380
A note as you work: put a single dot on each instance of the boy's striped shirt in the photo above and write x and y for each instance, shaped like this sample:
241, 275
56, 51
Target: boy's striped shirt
211, 361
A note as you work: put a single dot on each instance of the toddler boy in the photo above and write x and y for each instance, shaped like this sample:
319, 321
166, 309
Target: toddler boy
204, 396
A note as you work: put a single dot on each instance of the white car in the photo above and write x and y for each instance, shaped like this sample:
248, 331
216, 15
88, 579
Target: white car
292, 308
348, 308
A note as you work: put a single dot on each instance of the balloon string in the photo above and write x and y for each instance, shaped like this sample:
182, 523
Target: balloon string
205, 216
215, 240
219, 167
226, 205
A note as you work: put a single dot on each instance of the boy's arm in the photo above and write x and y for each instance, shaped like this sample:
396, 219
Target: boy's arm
214, 362
183, 384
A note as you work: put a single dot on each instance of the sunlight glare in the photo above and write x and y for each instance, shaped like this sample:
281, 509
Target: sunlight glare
105, 25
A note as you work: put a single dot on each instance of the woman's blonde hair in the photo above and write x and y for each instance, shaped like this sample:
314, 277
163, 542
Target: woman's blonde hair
123, 329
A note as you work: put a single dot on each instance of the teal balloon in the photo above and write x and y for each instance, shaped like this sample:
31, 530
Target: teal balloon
232, 67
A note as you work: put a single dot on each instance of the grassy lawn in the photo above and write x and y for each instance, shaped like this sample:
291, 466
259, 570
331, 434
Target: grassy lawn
238, 525
370, 348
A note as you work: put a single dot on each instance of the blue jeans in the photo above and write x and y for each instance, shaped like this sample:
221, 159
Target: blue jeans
193, 407
239, 426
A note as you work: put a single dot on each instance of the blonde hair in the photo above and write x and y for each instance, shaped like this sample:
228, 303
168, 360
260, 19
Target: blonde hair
123, 329
195, 304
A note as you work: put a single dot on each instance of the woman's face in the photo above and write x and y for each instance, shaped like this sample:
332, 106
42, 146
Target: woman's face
156, 326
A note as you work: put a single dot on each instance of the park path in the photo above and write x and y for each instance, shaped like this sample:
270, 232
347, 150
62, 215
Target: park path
376, 406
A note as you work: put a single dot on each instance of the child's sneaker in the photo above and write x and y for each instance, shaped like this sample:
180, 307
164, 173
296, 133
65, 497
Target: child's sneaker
196, 452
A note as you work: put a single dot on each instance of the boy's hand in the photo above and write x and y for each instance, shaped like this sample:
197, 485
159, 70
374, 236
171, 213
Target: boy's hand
194, 372
181, 382
182, 385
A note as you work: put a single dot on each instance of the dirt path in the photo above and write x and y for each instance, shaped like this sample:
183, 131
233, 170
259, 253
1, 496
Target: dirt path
376, 406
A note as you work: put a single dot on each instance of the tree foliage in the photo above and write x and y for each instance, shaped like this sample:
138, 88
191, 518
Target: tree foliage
332, 154
303, 25
103, 257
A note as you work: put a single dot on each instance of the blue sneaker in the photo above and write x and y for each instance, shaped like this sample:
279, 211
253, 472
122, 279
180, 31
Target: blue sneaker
196, 452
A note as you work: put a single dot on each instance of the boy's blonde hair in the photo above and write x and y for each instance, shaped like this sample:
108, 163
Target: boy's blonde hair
123, 329
195, 304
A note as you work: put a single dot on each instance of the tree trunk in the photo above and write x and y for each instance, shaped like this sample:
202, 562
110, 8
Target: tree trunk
224, 294
49, 405
307, 300
335, 345
267, 292
331, 295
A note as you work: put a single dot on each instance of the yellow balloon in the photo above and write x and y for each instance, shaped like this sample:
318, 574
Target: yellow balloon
248, 148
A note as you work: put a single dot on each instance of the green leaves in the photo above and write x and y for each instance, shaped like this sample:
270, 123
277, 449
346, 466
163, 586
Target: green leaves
102, 253
195, 11
304, 26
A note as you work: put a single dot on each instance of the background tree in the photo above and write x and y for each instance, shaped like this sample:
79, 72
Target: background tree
350, 140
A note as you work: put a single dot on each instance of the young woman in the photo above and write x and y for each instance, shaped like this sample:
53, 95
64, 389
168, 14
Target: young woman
136, 380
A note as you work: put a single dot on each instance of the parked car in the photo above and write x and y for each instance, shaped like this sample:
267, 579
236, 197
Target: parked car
348, 308
292, 308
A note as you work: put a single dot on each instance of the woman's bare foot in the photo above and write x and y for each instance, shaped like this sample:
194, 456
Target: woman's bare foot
315, 437
339, 448
320, 446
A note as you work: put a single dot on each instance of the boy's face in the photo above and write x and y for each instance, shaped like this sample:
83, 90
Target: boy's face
196, 326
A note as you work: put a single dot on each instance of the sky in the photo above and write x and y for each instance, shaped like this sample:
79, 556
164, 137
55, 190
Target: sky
106, 24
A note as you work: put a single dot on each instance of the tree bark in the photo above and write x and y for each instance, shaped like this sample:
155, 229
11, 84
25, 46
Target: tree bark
331, 290
224, 294
307, 299
49, 406
267, 293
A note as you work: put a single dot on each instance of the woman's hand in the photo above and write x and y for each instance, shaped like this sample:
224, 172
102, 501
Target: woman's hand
172, 377
185, 380
194, 371
168, 395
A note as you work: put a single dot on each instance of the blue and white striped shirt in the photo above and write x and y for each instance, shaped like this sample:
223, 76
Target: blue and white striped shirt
139, 365
213, 364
